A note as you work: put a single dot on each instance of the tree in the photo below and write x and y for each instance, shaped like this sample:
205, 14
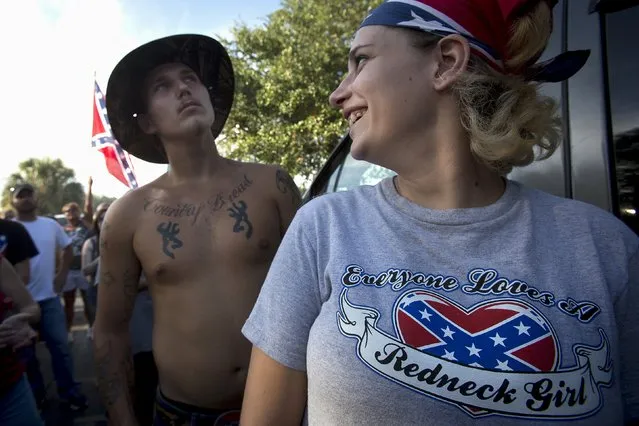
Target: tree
285, 71
54, 182
99, 199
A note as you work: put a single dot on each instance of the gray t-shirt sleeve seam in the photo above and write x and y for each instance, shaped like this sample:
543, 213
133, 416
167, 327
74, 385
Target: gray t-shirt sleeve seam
316, 287
634, 257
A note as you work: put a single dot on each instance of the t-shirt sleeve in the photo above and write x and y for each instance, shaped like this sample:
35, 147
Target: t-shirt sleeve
20, 245
289, 301
628, 320
62, 239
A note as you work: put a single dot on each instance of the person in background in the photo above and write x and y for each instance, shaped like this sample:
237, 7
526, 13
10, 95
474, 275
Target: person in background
18, 312
78, 232
45, 285
78, 228
449, 294
91, 258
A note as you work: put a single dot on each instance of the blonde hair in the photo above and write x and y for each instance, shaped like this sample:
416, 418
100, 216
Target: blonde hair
506, 117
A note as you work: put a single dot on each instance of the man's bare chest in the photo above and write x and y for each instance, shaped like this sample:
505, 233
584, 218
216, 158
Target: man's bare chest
233, 227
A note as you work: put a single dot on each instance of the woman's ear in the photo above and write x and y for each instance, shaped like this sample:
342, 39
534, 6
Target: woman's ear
451, 55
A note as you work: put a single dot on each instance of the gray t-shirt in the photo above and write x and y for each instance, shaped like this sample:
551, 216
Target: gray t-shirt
518, 312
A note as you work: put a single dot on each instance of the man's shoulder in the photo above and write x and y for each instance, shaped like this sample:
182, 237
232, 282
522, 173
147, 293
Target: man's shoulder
45, 221
129, 204
11, 230
11, 226
267, 177
257, 168
41, 224
272, 175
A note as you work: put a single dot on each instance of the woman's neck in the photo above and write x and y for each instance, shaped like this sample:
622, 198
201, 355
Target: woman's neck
440, 171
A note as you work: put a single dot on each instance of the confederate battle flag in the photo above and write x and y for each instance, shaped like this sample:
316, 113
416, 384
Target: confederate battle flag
118, 161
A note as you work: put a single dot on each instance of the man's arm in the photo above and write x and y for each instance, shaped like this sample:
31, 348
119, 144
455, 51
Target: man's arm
63, 271
119, 271
88, 205
63, 243
20, 250
288, 198
13, 287
89, 265
23, 269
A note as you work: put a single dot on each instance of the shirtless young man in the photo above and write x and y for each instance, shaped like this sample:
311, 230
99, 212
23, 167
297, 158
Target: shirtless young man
204, 234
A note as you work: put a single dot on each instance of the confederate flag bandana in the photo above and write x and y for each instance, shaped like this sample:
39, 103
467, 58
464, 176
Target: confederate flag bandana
484, 23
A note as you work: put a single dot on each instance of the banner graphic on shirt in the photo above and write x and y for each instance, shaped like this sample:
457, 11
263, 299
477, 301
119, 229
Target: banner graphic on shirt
497, 357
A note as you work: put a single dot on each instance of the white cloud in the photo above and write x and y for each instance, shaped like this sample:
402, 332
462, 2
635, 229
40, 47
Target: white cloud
51, 49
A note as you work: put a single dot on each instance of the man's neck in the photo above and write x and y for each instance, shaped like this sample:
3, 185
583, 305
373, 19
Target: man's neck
27, 217
195, 159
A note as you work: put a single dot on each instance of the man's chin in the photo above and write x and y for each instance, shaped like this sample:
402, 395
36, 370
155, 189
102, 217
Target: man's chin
26, 211
195, 127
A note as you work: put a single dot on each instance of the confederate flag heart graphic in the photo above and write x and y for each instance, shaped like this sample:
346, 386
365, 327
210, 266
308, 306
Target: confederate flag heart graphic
500, 335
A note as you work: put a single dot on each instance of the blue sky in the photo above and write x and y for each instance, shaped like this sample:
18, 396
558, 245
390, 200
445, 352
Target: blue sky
47, 92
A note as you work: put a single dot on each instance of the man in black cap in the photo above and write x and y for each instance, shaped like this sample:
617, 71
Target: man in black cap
204, 234
45, 285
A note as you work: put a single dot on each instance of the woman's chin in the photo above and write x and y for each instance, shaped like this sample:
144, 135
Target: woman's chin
359, 147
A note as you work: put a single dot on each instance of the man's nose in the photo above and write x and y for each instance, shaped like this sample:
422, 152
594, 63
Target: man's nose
183, 89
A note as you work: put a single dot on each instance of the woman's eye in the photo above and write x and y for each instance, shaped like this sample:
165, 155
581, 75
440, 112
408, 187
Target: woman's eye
359, 59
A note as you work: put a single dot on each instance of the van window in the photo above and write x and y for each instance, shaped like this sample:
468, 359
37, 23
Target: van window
623, 69
354, 173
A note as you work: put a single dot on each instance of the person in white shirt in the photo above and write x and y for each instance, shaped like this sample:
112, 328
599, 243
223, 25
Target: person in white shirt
45, 286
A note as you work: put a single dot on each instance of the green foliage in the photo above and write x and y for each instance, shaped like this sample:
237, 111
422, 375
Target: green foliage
285, 71
54, 182
99, 199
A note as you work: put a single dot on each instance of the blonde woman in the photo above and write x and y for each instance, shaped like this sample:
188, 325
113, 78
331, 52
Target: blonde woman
449, 294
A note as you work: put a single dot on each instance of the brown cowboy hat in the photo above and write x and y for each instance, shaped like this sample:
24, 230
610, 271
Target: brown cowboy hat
206, 56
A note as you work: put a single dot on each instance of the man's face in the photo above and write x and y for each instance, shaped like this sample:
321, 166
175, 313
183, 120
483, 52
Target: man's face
72, 214
24, 201
177, 103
